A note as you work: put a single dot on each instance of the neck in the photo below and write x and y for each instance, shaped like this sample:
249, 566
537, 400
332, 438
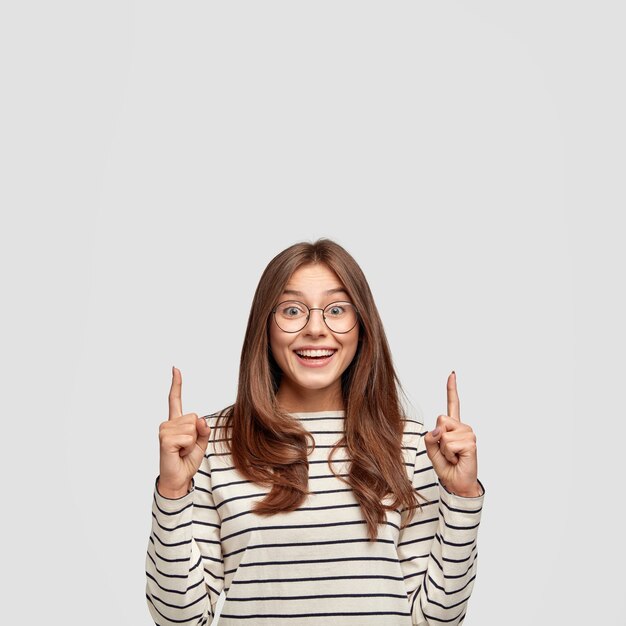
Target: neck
298, 400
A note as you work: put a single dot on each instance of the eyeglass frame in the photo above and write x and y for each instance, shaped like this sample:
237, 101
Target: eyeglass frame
308, 317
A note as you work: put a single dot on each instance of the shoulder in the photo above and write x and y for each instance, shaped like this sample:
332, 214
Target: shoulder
219, 419
412, 440
219, 436
413, 426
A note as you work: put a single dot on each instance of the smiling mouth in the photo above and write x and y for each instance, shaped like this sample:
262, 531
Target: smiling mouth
314, 355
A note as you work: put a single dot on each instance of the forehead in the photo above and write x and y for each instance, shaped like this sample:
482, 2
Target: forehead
314, 279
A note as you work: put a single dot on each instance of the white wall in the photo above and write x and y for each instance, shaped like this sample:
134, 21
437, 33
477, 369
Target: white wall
156, 155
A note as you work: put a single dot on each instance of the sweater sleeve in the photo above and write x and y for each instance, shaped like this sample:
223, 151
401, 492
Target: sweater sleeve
184, 565
437, 550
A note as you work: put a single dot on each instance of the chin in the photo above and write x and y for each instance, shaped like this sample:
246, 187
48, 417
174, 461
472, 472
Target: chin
314, 381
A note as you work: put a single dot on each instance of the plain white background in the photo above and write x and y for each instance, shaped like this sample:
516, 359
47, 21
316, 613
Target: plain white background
156, 155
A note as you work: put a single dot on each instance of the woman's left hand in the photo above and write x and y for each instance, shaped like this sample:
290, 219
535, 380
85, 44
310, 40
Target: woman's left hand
451, 448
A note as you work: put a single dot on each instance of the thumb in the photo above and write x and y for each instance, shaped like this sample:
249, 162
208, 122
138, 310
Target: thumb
431, 441
203, 430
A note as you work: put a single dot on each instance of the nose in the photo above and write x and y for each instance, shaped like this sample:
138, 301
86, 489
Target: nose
316, 324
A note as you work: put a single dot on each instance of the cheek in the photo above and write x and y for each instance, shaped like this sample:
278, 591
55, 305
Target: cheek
277, 344
353, 346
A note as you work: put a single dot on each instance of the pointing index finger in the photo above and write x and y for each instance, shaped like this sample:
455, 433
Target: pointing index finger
454, 408
175, 399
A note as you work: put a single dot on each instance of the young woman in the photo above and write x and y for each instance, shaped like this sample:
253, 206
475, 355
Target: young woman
314, 498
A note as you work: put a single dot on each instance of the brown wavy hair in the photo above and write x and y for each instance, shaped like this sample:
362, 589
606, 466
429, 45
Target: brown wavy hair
269, 447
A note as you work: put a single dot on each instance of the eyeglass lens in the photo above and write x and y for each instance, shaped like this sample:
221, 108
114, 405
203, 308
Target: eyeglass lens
292, 316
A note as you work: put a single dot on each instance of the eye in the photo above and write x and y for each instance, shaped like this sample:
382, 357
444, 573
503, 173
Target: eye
291, 309
336, 309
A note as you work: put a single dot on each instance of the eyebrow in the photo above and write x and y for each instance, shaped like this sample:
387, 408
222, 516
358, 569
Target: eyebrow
327, 293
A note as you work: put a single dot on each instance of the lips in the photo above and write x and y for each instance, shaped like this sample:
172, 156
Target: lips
314, 358
316, 353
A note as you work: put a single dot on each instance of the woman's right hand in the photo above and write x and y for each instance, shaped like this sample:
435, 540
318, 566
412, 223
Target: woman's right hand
183, 443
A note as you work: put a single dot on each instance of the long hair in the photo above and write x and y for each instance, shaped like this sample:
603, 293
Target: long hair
269, 447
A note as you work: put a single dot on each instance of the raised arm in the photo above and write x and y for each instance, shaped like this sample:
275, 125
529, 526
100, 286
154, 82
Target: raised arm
438, 549
184, 565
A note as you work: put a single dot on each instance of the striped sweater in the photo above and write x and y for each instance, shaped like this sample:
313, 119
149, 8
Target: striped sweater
314, 565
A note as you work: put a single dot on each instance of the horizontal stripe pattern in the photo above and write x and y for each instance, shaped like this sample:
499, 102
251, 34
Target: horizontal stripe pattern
314, 565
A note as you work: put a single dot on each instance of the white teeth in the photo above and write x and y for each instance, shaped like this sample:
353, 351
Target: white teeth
315, 352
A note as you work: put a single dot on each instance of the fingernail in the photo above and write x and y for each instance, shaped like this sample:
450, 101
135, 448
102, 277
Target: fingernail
435, 432
453, 372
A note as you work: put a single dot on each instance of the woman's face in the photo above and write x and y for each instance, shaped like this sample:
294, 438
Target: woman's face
312, 384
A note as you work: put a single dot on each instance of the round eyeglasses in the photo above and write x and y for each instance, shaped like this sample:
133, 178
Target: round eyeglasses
292, 316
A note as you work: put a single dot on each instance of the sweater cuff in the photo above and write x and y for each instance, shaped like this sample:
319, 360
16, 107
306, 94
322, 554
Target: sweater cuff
172, 504
461, 500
